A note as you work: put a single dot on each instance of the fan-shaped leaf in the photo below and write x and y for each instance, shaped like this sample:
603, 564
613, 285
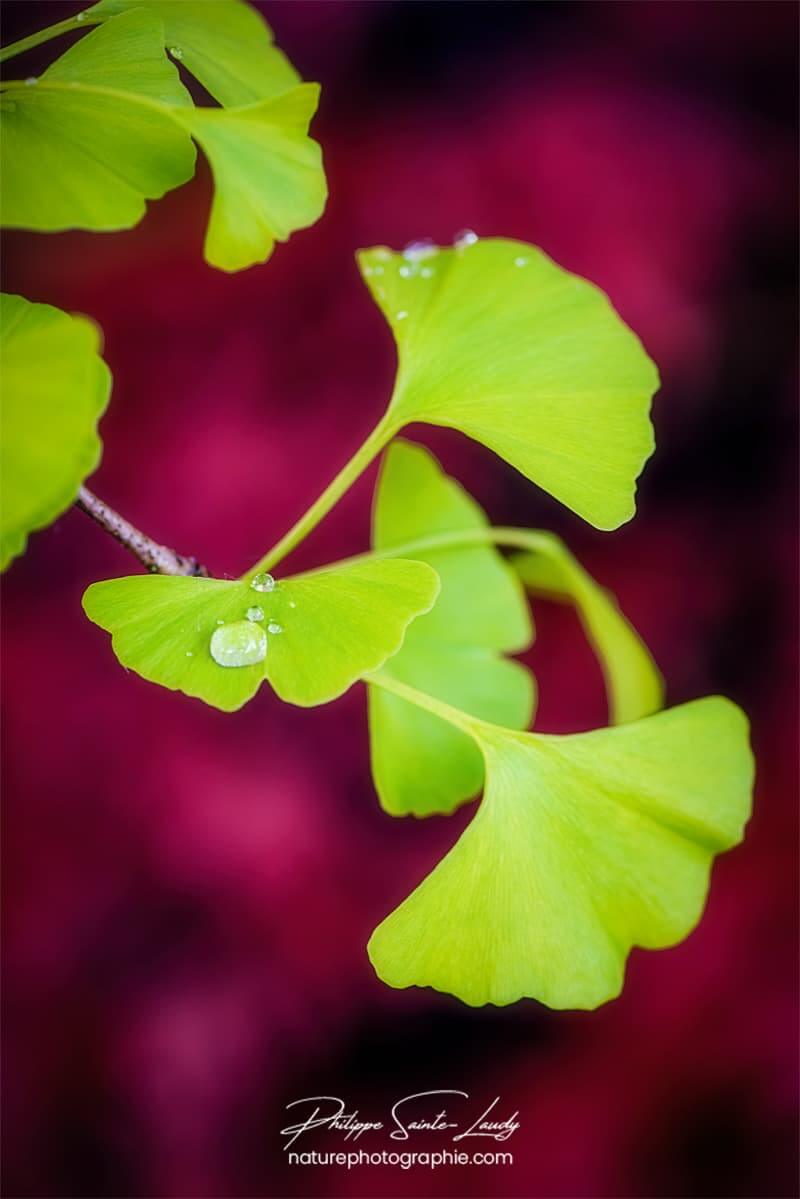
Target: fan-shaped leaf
582, 847
55, 388
633, 682
323, 630
420, 764
496, 340
97, 127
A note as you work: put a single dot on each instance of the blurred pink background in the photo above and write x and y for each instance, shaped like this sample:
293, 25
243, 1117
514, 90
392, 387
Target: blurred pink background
188, 894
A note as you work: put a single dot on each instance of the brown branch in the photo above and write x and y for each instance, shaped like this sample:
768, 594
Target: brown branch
158, 559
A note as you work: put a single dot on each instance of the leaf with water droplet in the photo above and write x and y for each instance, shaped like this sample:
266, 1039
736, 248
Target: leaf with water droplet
421, 764
104, 151
582, 847
337, 625
55, 388
226, 44
122, 133
533, 362
633, 682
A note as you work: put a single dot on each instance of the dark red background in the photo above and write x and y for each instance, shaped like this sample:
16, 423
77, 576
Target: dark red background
188, 894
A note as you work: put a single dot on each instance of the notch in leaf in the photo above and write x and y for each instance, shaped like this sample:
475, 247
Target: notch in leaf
311, 636
493, 338
420, 763
582, 847
55, 389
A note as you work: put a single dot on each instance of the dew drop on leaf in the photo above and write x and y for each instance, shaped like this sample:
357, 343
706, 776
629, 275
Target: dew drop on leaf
274, 627
426, 272
240, 643
262, 581
81, 16
31, 81
401, 316
255, 613
405, 271
520, 262
189, 654
467, 237
176, 52
417, 250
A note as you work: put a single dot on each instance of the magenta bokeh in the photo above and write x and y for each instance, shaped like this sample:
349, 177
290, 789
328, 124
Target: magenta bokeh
188, 894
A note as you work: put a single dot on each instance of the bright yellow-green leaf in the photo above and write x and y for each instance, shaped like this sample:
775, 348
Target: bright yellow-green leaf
225, 44
92, 139
421, 764
633, 682
582, 847
111, 125
323, 630
267, 171
55, 386
496, 340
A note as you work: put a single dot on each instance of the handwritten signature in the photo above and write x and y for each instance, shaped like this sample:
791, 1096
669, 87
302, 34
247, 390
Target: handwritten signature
412, 1114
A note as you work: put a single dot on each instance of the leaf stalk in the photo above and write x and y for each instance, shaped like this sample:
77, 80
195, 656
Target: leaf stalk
156, 558
79, 21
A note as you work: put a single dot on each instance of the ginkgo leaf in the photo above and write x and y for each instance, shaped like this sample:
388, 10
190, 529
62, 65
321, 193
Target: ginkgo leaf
112, 124
582, 847
268, 174
55, 388
634, 685
495, 339
421, 764
320, 631
97, 127
226, 44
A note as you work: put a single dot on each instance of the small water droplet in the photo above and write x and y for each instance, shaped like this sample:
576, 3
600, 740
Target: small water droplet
367, 270
263, 581
520, 262
255, 613
416, 250
274, 627
292, 604
401, 316
240, 643
405, 271
378, 270
81, 16
176, 52
189, 654
427, 272
220, 622
31, 81
464, 239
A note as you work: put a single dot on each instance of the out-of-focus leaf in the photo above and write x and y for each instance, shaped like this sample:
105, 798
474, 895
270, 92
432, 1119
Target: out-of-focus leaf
55, 387
634, 685
324, 629
495, 339
582, 847
421, 764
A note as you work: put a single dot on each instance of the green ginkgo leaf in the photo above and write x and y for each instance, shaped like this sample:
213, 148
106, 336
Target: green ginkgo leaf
96, 126
583, 847
55, 387
268, 175
633, 682
112, 124
310, 635
495, 339
226, 44
420, 763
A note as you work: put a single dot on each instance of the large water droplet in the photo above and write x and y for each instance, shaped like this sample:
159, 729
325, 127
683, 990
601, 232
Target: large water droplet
415, 251
467, 237
274, 627
176, 52
255, 613
240, 643
262, 581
